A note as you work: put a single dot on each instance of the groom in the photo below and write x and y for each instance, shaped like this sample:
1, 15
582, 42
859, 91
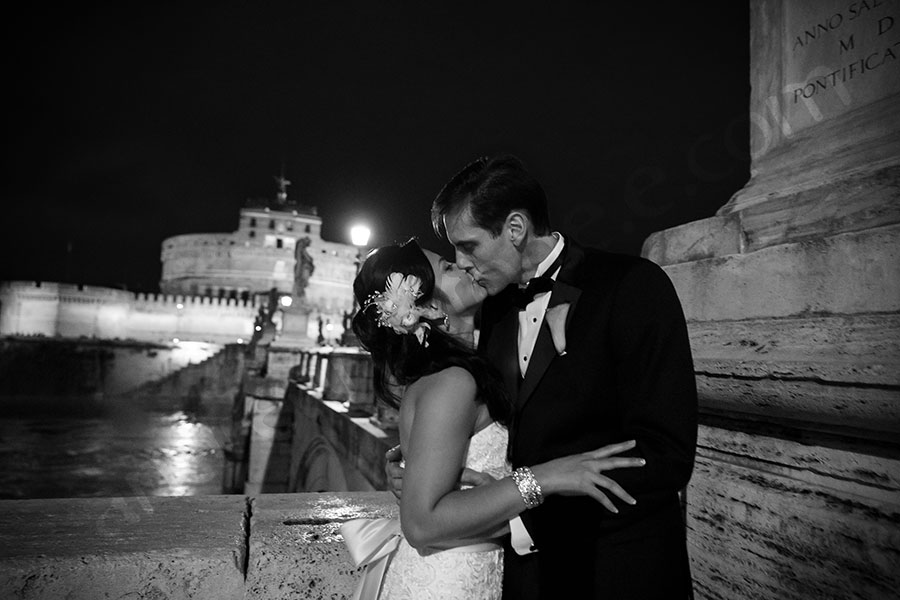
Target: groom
612, 364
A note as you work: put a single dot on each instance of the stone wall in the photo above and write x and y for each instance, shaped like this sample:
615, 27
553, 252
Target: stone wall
306, 422
210, 385
43, 373
792, 295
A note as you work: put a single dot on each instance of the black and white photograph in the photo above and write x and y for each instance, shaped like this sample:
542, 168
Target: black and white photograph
451, 300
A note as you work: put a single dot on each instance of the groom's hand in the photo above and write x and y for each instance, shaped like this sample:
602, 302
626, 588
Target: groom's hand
394, 471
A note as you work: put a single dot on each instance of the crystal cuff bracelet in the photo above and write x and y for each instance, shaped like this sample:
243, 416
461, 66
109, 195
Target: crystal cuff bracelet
528, 486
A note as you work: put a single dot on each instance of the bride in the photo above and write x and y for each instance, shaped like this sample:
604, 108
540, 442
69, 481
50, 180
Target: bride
417, 319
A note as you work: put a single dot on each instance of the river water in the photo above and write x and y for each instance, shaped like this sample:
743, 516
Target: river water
124, 452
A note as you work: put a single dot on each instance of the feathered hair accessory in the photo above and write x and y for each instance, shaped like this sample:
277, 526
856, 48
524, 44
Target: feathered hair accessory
396, 307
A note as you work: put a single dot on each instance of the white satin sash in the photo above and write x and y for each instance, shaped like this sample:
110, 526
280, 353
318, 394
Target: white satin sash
372, 543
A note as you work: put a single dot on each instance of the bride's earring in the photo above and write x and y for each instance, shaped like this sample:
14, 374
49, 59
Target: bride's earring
445, 319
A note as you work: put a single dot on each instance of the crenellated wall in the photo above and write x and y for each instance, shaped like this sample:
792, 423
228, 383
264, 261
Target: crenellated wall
73, 311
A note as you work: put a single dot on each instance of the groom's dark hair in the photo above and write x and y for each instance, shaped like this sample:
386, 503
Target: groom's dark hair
492, 187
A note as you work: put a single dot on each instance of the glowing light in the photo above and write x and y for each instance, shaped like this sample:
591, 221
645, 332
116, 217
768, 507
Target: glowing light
183, 448
179, 306
286, 301
175, 340
329, 326
359, 235
258, 328
240, 340
189, 352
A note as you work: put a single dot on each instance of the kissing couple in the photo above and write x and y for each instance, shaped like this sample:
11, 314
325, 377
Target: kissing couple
546, 461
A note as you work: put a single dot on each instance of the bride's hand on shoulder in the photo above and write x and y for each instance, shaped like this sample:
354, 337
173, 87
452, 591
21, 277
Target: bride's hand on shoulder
582, 474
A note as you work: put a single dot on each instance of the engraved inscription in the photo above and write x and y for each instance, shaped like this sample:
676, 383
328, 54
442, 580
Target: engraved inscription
839, 55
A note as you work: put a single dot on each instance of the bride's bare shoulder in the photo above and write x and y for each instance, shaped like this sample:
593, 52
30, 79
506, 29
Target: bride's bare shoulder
453, 381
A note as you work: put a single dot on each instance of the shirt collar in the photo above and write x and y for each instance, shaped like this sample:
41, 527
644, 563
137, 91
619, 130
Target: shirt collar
557, 250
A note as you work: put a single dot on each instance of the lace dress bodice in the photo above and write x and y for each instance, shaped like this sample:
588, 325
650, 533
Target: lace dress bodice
468, 572
487, 451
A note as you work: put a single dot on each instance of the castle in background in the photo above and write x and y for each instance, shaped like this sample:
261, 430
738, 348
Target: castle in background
214, 285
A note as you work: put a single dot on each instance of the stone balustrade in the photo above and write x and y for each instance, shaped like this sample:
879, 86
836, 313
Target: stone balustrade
311, 424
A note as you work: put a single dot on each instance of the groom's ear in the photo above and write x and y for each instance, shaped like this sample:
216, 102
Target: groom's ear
516, 227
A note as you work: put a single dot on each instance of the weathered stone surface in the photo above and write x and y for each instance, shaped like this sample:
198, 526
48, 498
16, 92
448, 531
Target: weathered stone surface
264, 387
855, 145
822, 462
862, 349
280, 359
707, 238
123, 548
333, 451
271, 430
296, 550
771, 518
850, 273
349, 379
839, 371
860, 201
851, 131
868, 412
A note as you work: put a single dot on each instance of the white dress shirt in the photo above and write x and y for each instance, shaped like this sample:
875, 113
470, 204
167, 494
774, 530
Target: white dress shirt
530, 321
531, 318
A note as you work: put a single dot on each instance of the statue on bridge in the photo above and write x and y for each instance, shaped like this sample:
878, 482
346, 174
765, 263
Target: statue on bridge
303, 267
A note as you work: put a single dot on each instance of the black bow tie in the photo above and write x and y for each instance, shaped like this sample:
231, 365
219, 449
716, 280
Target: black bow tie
522, 297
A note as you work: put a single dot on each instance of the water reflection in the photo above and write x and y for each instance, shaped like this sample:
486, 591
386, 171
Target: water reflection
125, 453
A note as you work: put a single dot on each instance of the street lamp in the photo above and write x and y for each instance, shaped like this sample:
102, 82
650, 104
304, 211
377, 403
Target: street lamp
359, 236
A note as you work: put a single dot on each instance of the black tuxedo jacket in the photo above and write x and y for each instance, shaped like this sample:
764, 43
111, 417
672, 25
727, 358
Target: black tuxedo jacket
627, 374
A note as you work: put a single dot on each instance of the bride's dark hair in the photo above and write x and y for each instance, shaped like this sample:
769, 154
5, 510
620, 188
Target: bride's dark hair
400, 359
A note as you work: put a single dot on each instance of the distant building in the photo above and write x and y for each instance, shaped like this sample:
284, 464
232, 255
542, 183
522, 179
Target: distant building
213, 285
262, 255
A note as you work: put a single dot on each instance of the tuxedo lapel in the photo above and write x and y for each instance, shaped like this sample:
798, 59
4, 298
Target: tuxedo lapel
541, 357
544, 352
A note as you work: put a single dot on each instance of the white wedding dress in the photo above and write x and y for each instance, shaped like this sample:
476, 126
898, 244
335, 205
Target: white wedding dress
470, 572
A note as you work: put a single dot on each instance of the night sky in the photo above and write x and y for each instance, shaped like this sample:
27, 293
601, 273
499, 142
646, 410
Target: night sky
128, 125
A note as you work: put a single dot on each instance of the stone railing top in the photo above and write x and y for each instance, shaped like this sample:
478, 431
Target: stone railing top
217, 547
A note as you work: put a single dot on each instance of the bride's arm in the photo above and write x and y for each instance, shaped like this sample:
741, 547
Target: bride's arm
432, 510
